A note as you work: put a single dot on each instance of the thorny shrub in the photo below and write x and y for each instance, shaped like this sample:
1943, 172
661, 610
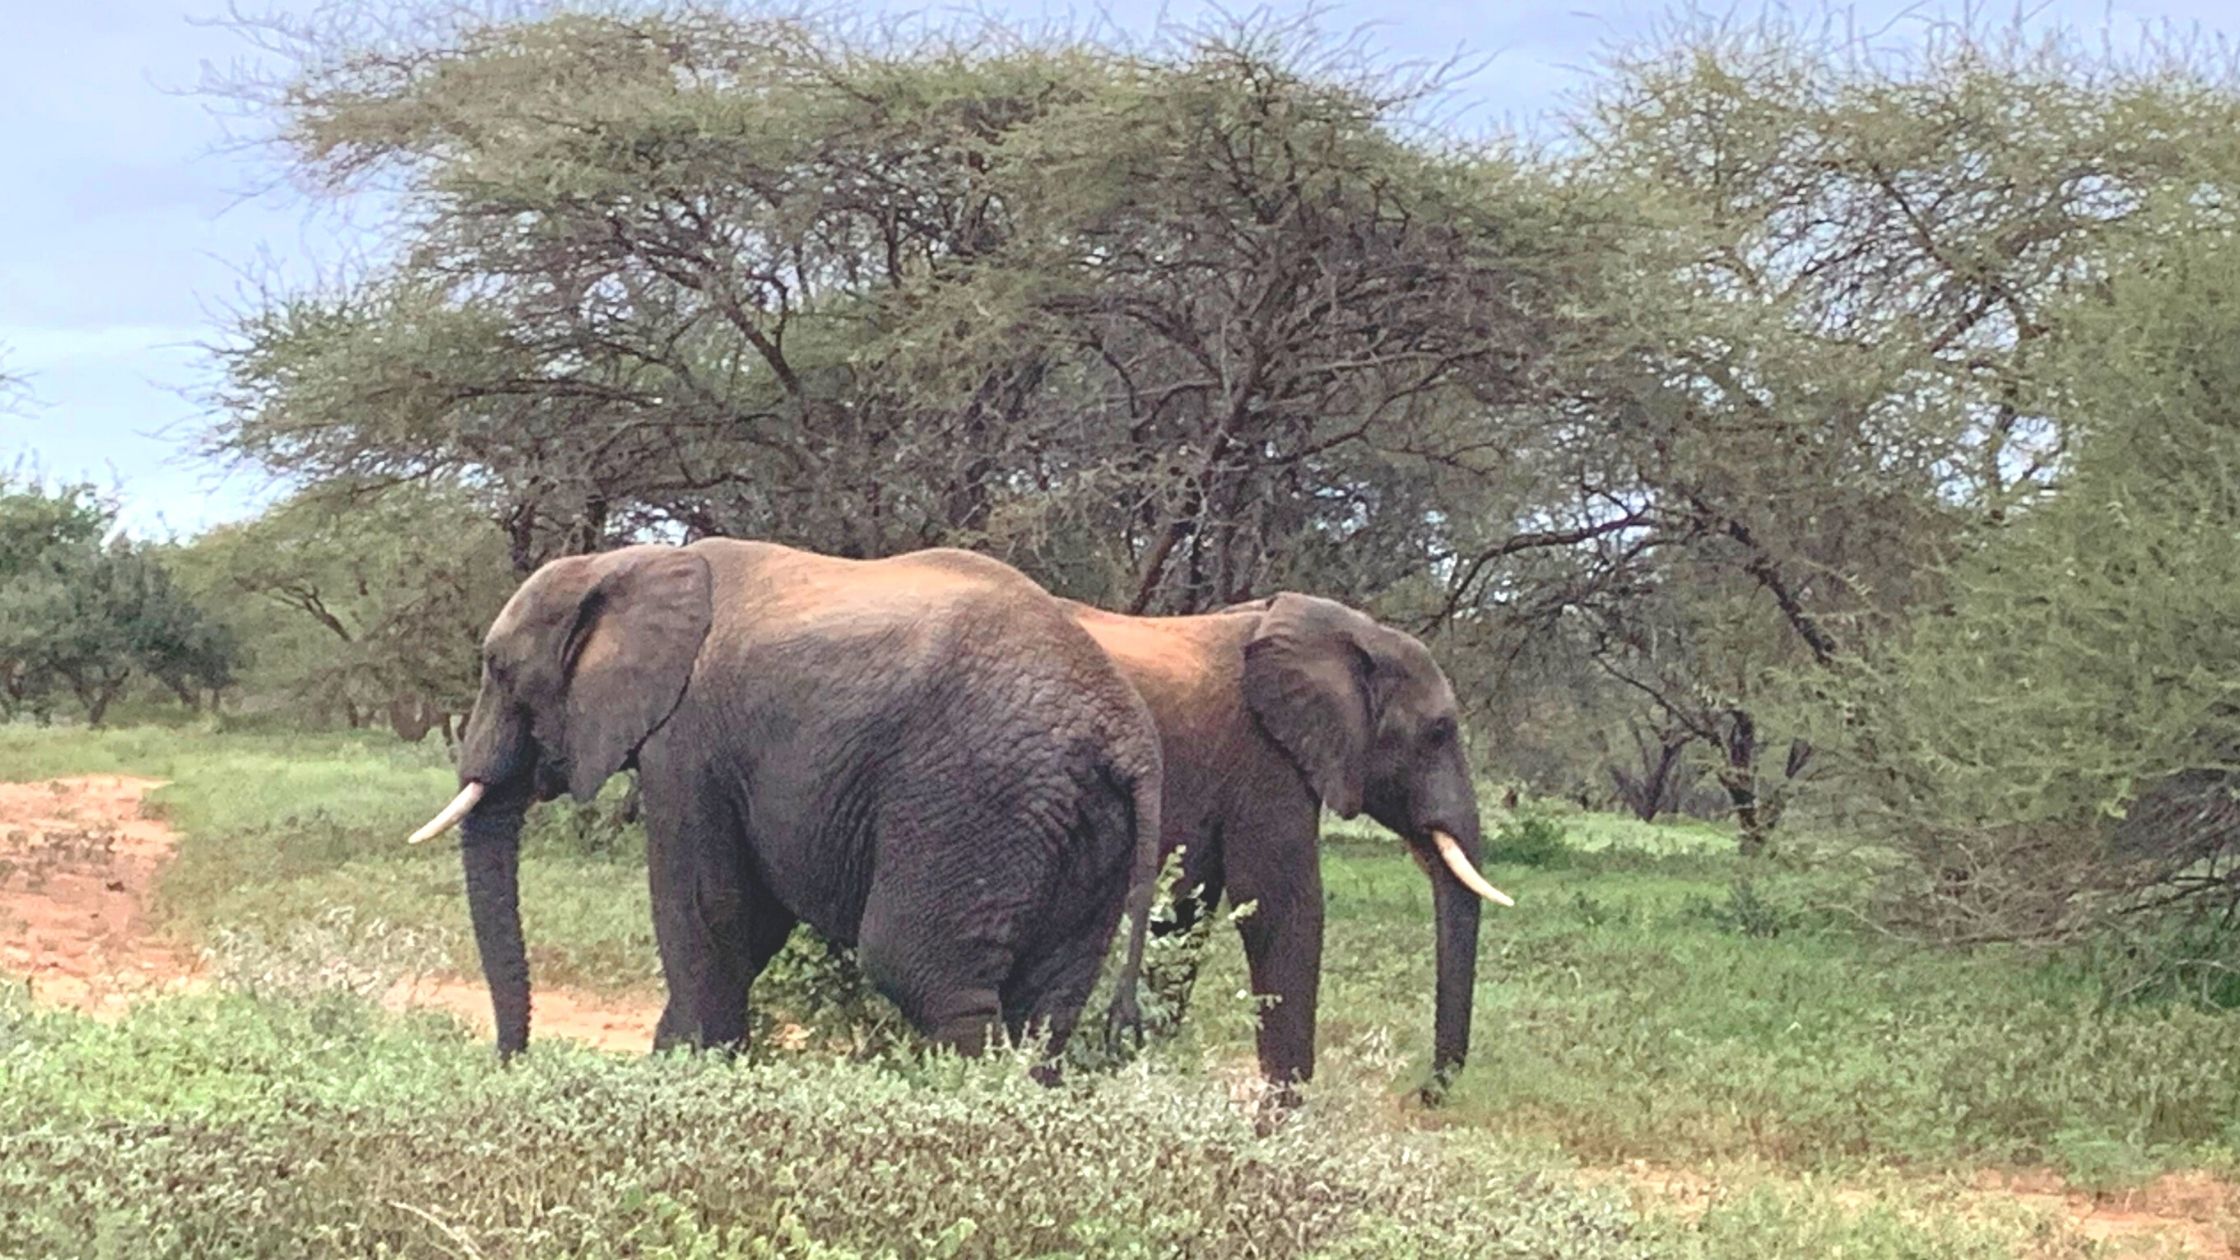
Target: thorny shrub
232, 1126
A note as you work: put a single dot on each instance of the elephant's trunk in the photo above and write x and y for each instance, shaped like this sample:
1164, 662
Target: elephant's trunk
1457, 907
490, 844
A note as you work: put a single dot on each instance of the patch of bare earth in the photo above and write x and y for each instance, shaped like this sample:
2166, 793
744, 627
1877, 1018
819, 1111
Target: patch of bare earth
607, 1021
78, 862
2189, 1213
2176, 1215
77, 858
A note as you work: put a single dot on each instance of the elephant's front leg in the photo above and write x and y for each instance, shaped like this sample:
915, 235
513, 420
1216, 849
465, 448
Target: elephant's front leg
714, 927
1282, 945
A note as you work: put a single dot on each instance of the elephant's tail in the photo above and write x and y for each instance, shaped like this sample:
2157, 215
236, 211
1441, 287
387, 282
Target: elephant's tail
1143, 884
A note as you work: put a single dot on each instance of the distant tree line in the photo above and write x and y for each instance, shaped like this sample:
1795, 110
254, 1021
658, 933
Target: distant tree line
84, 614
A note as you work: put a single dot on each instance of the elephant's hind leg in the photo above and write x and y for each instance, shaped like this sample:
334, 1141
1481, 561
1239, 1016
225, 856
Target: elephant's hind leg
942, 922
929, 964
1045, 994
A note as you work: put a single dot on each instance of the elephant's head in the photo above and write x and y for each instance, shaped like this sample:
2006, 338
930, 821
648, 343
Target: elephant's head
1371, 723
586, 661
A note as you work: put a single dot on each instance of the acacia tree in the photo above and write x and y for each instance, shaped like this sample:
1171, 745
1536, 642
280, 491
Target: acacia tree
1817, 365
1166, 329
34, 522
362, 605
87, 614
2062, 740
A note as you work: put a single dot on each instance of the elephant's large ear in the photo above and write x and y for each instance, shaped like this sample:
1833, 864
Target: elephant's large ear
630, 655
1307, 677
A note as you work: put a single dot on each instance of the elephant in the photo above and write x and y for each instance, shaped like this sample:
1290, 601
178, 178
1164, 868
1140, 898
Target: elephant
923, 757
1269, 711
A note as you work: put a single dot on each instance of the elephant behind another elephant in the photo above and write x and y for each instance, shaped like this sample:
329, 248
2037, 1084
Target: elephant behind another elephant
1271, 711
923, 757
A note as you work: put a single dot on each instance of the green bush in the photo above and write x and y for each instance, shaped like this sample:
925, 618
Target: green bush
229, 1126
601, 830
1529, 840
1748, 909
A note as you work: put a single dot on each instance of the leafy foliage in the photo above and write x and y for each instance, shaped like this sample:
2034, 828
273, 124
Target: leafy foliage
678, 1157
1528, 840
2086, 663
361, 605
83, 612
1168, 330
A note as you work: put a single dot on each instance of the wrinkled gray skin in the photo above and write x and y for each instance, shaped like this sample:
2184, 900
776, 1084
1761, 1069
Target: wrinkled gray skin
1269, 711
923, 757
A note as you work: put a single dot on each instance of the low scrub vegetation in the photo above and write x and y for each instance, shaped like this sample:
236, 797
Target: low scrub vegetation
312, 1126
232, 1127
1654, 997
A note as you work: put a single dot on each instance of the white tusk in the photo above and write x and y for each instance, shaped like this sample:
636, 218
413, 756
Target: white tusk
1468, 874
452, 813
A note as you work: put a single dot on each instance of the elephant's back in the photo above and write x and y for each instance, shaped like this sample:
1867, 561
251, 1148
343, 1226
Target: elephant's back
779, 586
929, 645
1181, 658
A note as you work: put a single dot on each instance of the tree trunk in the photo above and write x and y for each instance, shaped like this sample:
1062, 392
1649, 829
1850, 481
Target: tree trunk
97, 706
1649, 793
1155, 566
1740, 778
520, 525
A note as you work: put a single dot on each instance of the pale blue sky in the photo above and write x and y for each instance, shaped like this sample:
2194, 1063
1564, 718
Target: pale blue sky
124, 227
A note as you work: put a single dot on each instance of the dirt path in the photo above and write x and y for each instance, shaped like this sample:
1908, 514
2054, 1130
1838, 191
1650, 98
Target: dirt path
78, 861
79, 857
2194, 1211
2176, 1215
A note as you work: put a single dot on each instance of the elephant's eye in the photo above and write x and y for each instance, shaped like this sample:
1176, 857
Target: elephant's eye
1441, 733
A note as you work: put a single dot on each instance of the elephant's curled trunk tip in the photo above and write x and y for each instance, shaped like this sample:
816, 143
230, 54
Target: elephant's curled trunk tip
449, 816
1451, 852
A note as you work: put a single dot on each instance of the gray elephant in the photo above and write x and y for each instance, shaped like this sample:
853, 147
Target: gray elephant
1269, 711
923, 757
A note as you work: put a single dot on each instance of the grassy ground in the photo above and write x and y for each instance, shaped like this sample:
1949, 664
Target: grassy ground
1651, 998
277, 827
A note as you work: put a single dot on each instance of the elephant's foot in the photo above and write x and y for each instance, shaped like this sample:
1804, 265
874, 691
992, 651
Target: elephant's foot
1434, 1091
